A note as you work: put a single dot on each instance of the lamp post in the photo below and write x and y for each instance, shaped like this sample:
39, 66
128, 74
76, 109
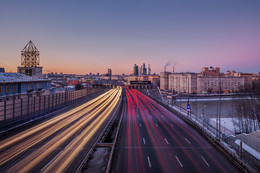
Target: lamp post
219, 112
188, 104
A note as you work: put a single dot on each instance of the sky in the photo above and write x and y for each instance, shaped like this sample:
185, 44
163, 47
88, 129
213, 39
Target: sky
86, 36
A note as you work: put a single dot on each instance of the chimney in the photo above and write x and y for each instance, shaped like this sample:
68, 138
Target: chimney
164, 68
173, 69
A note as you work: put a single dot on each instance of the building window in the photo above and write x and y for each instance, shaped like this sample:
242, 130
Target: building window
0, 89
7, 88
14, 88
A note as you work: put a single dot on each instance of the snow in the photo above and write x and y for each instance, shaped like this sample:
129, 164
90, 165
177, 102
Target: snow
227, 125
207, 99
249, 149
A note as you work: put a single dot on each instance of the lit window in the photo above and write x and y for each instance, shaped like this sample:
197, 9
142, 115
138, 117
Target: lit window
0, 89
14, 88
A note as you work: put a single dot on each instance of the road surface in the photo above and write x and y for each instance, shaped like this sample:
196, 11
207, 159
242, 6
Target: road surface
59, 144
152, 139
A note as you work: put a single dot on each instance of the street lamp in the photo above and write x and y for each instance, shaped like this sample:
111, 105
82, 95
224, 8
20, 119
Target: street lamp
219, 114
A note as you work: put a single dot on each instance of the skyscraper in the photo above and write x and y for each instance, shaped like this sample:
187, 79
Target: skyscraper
144, 70
135, 70
109, 72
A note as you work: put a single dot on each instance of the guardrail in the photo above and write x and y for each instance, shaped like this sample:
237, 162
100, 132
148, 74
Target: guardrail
101, 137
114, 143
220, 146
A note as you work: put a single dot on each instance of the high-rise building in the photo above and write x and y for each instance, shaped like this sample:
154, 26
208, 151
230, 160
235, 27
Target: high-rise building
149, 69
141, 70
144, 70
109, 72
135, 70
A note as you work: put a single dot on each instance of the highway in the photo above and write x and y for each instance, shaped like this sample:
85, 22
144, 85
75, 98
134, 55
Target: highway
152, 139
59, 144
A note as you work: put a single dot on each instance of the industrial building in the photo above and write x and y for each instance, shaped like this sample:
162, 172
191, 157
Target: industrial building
17, 85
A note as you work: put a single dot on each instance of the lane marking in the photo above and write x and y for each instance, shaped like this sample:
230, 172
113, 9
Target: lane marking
156, 125
140, 125
143, 140
149, 163
178, 161
171, 124
205, 161
51, 161
166, 141
187, 140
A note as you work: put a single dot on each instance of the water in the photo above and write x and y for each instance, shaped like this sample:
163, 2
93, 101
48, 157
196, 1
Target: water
210, 108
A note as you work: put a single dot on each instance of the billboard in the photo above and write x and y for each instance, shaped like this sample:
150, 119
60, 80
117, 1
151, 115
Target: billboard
140, 82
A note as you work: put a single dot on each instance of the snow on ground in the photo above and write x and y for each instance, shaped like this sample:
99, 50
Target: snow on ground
249, 149
227, 125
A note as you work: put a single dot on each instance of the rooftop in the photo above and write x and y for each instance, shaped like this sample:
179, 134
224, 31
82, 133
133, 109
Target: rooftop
17, 77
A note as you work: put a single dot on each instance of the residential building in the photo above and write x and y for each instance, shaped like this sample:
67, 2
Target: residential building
183, 82
72, 81
211, 84
164, 80
210, 80
210, 71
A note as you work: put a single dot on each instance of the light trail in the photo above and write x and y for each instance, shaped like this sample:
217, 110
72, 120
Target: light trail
42, 133
168, 138
81, 124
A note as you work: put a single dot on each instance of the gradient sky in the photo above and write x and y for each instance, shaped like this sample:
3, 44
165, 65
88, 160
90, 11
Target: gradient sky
86, 36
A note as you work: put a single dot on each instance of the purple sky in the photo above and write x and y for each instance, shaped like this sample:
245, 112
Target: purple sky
92, 36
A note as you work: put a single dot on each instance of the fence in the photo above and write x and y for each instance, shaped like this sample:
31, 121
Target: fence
209, 132
22, 108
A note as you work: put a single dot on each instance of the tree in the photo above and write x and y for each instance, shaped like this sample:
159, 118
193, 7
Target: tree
248, 110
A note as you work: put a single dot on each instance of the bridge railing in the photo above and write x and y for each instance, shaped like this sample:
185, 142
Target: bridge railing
22, 109
209, 132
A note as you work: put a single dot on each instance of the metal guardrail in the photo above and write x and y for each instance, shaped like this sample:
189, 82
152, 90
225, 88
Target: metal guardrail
229, 154
99, 137
114, 143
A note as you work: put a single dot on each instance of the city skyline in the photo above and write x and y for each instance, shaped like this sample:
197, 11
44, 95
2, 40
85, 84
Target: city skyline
90, 36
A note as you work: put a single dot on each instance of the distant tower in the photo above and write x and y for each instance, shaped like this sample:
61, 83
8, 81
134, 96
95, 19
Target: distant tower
135, 70
30, 55
109, 72
149, 69
144, 70
140, 71
30, 58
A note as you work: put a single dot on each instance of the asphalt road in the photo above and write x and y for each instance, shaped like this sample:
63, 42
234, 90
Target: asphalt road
152, 139
59, 144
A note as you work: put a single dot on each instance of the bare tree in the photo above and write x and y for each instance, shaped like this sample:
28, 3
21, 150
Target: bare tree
248, 110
